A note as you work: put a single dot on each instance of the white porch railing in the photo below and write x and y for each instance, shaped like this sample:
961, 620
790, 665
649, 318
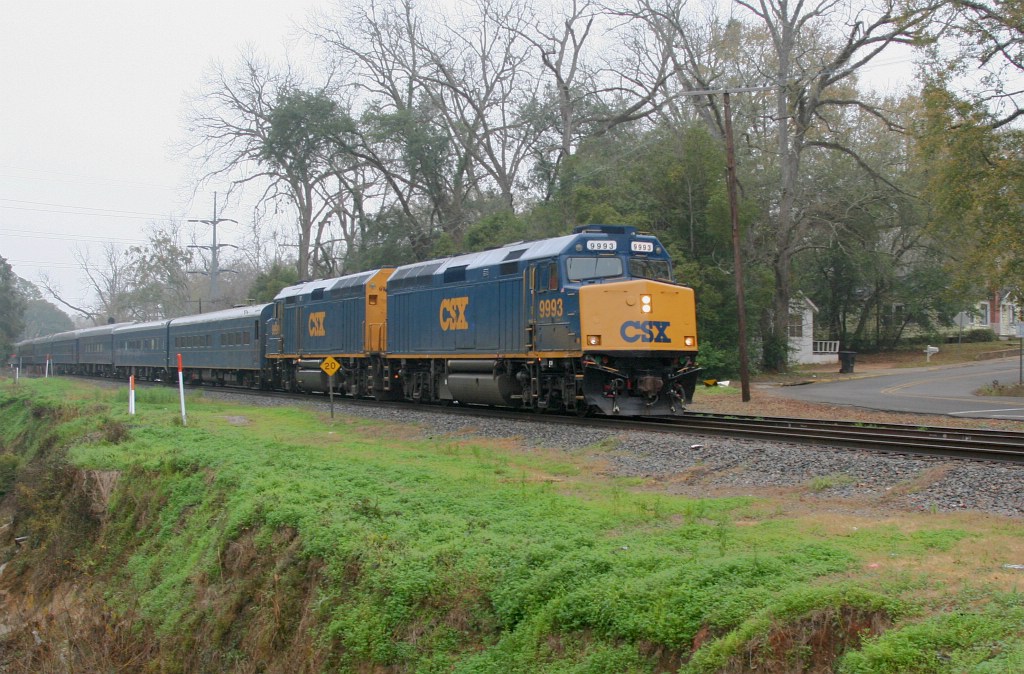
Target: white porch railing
825, 346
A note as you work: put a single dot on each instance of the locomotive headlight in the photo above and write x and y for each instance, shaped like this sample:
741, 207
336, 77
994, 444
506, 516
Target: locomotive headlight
689, 341
645, 304
594, 340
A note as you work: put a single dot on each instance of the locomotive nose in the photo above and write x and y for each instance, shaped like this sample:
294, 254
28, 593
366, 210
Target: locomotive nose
637, 316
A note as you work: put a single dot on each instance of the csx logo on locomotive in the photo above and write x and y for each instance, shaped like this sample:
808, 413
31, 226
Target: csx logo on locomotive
645, 331
316, 324
452, 313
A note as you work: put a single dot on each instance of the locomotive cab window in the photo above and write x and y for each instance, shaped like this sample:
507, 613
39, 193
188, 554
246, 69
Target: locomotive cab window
591, 268
656, 270
546, 277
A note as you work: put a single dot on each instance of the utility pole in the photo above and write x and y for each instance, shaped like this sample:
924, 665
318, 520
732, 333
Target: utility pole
214, 269
741, 305
730, 176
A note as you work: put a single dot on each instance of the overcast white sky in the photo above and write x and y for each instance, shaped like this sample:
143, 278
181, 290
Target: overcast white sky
92, 98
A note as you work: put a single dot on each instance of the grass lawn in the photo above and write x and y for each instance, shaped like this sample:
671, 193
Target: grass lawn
377, 549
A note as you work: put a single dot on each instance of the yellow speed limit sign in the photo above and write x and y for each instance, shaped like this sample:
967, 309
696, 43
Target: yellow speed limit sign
330, 366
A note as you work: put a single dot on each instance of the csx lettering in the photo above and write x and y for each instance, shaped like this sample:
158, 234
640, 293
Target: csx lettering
550, 308
452, 313
645, 331
316, 324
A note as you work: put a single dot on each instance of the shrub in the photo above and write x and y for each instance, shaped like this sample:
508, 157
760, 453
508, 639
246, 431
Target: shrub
980, 335
8, 469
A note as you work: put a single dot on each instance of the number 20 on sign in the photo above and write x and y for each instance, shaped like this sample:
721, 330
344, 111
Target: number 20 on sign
330, 366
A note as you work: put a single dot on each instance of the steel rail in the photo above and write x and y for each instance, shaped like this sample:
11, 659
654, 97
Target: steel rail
961, 443
949, 442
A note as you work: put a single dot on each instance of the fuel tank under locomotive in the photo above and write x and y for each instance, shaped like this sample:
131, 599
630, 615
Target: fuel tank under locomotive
482, 382
309, 376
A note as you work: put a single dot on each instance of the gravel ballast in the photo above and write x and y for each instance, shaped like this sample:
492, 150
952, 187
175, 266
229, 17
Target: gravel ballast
714, 466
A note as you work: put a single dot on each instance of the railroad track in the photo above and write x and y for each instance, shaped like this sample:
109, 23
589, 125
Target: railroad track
960, 443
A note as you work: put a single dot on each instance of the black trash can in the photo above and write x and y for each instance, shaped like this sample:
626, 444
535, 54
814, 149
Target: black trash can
847, 359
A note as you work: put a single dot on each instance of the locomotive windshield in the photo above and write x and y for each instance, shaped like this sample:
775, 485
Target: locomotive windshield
656, 270
587, 268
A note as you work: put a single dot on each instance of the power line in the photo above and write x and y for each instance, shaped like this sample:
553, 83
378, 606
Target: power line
54, 236
85, 208
79, 177
45, 264
83, 213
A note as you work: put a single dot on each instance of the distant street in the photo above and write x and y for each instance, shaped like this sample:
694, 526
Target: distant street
945, 390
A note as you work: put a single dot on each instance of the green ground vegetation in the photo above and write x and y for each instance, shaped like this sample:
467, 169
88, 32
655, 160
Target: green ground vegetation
347, 545
997, 388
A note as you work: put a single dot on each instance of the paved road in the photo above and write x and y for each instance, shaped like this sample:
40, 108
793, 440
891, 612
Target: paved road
935, 390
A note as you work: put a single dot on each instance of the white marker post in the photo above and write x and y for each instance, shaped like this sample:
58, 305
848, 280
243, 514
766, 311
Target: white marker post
46, 368
181, 392
131, 395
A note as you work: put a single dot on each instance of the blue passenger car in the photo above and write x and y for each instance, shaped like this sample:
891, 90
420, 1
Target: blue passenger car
96, 350
24, 356
141, 349
62, 350
221, 347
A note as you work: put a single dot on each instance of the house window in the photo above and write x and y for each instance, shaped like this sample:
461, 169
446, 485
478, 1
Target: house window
983, 313
796, 325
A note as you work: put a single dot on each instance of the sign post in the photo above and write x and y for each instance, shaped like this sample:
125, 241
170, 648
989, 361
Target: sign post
131, 395
181, 392
1020, 364
330, 366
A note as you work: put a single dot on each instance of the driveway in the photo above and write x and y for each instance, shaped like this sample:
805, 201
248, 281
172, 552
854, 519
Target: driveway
945, 390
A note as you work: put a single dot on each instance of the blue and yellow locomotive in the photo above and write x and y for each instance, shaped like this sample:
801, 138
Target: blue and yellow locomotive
584, 322
587, 322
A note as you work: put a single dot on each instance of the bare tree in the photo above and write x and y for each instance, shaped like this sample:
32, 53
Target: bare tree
590, 83
986, 40
138, 283
480, 81
378, 49
108, 280
258, 124
815, 48
811, 54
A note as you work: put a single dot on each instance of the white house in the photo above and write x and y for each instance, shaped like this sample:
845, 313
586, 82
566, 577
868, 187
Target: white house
998, 313
803, 348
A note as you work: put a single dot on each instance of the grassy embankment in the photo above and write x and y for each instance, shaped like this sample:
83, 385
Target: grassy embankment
277, 540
